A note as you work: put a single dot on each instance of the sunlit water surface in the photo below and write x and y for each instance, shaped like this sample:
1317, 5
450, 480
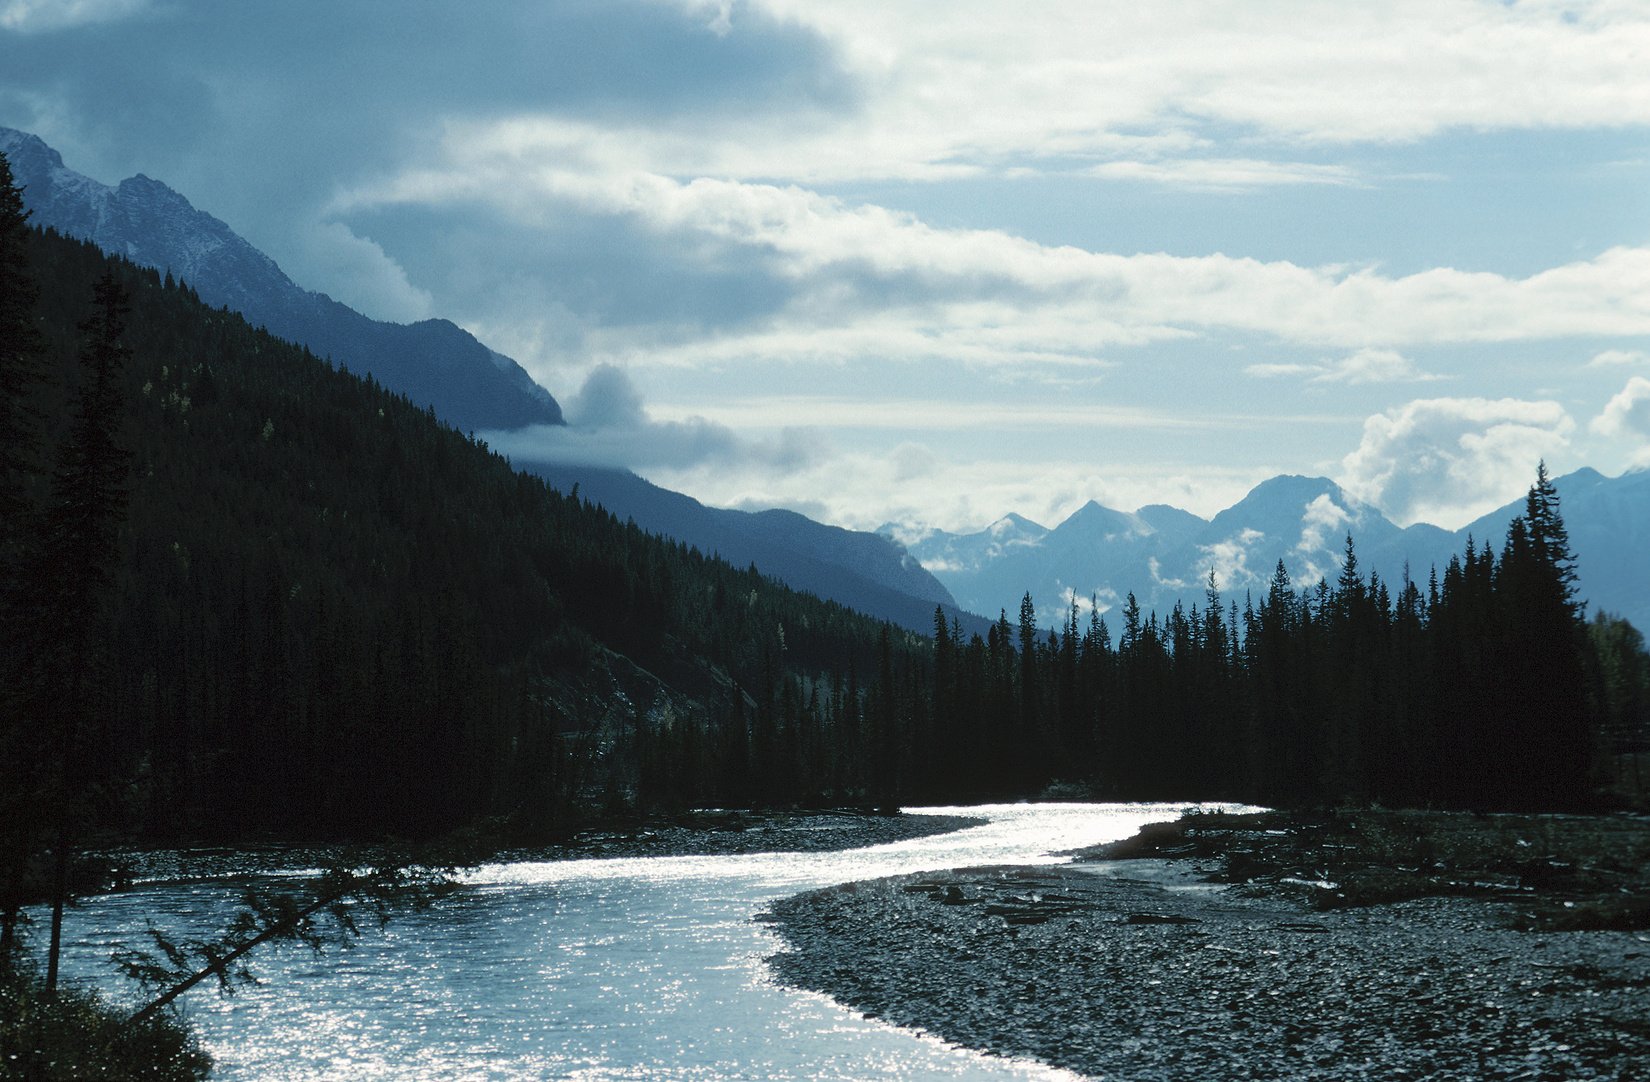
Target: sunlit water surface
646, 968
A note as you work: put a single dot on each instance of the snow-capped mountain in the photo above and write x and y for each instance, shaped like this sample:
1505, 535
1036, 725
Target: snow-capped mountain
433, 362
1164, 555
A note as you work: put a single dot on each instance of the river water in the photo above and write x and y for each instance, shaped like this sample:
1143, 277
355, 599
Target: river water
647, 968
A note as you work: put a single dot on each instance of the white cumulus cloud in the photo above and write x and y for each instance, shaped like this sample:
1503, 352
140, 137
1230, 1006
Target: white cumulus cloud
1628, 414
1450, 460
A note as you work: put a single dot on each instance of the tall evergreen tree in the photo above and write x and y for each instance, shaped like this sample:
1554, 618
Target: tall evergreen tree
20, 366
20, 373
1542, 705
74, 567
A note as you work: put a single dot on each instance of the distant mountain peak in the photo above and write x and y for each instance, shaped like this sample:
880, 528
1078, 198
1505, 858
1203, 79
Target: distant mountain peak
15, 143
1015, 524
1295, 484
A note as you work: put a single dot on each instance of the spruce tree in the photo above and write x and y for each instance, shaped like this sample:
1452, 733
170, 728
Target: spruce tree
20, 367
1544, 716
74, 567
20, 373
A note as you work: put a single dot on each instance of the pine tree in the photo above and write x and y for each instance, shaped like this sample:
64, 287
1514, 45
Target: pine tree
1546, 730
20, 372
74, 569
20, 367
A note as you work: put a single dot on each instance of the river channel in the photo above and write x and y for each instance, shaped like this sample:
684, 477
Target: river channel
647, 968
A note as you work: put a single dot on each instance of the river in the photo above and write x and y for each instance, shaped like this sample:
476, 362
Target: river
646, 968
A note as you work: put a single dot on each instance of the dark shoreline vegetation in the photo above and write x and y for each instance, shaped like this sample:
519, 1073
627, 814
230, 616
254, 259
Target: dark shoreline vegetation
246, 595
1344, 945
708, 832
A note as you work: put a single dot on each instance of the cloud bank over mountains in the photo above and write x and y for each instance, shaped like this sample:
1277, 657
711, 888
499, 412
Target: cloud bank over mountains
874, 264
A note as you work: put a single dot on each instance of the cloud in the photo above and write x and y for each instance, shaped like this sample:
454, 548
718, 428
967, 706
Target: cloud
337, 262
1154, 567
1449, 460
1229, 559
1615, 358
608, 425
1319, 518
1224, 174
868, 281
1628, 414
1373, 366
260, 112
906, 413
856, 484
1084, 74
1364, 366
699, 123
39, 16
608, 400
913, 462
1273, 371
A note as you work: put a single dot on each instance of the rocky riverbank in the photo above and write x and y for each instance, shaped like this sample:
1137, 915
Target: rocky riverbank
1142, 968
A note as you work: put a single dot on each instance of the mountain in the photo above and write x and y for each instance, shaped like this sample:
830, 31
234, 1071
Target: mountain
472, 387
864, 571
433, 362
331, 616
1163, 554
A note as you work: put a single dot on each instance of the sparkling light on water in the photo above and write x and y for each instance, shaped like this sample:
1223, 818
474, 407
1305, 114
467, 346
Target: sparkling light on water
646, 968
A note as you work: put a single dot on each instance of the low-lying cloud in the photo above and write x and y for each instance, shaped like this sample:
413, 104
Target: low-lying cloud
608, 425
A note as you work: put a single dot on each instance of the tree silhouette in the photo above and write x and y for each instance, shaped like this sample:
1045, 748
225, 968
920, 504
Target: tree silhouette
21, 373
74, 569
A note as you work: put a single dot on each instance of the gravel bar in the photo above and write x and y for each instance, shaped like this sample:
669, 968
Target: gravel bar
1134, 969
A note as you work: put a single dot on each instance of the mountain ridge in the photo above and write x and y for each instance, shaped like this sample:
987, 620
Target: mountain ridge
434, 362
438, 364
864, 571
1300, 520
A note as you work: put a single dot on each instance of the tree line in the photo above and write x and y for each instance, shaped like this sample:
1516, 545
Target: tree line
1482, 687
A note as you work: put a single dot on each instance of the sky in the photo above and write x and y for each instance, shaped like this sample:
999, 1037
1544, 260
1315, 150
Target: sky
883, 261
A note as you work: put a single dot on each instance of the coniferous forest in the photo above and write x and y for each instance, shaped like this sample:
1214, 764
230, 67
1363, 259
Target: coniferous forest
248, 595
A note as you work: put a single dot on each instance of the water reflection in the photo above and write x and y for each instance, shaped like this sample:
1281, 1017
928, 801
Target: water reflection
595, 969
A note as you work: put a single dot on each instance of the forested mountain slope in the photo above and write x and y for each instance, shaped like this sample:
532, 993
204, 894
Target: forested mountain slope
865, 571
438, 364
335, 615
